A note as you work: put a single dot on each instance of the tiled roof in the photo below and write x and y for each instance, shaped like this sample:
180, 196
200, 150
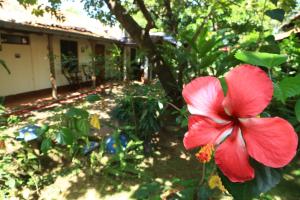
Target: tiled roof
13, 13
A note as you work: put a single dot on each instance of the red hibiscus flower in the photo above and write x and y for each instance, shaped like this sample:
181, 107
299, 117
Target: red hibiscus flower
230, 124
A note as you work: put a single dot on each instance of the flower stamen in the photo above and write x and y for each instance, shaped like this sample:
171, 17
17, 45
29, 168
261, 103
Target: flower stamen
205, 153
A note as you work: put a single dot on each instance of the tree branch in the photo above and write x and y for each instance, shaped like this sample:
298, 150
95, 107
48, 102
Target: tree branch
131, 26
172, 22
147, 15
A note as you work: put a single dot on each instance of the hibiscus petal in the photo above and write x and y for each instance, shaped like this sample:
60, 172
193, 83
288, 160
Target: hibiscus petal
271, 141
204, 96
249, 91
202, 131
232, 158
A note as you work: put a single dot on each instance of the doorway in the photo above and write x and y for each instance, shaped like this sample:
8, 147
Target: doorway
100, 63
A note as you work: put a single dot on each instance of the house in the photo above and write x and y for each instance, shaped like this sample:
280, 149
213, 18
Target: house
37, 50
292, 27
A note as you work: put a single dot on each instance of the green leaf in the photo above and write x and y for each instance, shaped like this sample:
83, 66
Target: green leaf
65, 137
209, 59
204, 192
77, 113
83, 126
297, 109
187, 193
46, 145
267, 60
224, 85
148, 191
93, 98
289, 87
278, 94
271, 48
42, 130
274, 2
277, 14
3, 64
265, 179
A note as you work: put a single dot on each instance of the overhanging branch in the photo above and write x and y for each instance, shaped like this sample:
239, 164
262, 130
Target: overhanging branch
147, 15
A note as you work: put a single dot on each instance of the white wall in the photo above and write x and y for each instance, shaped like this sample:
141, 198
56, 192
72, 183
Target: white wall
21, 78
31, 71
40, 61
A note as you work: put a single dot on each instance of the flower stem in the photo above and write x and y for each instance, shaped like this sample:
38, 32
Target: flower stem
203, 174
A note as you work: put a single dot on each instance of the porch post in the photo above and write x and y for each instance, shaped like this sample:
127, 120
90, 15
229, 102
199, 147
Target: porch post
92, 43
52, 66
126, 64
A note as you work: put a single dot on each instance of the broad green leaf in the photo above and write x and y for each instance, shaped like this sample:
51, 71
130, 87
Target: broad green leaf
46, 145
77, 113
289, 87
277, 14
265, 179
268, 60
83, 126
93, 98
297, 109
65, 137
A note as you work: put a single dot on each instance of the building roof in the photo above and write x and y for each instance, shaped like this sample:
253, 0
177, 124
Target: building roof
16, 17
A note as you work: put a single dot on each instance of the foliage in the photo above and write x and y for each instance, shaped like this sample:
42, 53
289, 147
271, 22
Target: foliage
206, 36
18, 169
3, 64
141, 107
265, 179
70, 69
2, 118
261, 59
113, 63
72, 131
125, 162
93, 98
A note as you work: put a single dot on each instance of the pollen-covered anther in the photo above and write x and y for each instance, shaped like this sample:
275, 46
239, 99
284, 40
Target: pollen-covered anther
205, 153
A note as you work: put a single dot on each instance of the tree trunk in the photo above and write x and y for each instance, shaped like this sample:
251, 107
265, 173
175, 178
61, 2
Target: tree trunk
142, 38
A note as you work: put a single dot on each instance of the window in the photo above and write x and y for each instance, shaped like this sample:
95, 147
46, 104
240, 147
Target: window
69, 55
14, 39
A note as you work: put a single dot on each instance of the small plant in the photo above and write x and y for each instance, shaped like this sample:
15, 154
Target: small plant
141, 108
72, 131
13, 119
122, 162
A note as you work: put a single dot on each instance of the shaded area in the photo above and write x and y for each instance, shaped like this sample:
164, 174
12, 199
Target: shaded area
289, 187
